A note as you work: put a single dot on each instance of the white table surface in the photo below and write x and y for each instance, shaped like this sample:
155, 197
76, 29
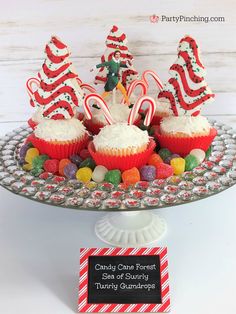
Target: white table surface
39, 253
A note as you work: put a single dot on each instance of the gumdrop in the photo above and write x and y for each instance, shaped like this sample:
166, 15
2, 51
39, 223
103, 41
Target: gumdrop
21, 161
88, 162
191, 162
131, 176
30, 154
38, 161
113, 176
154, 160
70, 171
99, 173
148, 173
178, 165
164, 153
36, 171
23, 149
76, 159
27, 167
199, 154
84, 174
164, 171
62, 164
51, 165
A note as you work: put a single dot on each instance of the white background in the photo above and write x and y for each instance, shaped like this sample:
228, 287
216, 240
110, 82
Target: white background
39, 244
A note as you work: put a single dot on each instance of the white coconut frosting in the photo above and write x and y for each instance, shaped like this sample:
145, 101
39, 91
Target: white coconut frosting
164, 107
60, 130
185, 124
119, 112
120, 135
38, 115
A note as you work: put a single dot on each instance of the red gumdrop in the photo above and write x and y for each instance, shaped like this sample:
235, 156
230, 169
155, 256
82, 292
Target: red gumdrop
51, 165
164, 171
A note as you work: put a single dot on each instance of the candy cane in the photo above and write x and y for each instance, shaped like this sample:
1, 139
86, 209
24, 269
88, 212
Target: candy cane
138, 105
136, 83
133, 86
29, 85
154, 75
88, 87
102, 105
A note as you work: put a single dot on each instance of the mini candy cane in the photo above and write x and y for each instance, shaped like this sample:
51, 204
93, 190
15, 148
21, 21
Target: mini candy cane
88, 87
154, 75
133, 86
136, 83
29, 85
102, 105
138, 105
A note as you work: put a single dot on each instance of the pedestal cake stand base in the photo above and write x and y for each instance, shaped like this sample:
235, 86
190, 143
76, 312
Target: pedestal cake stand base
130, 229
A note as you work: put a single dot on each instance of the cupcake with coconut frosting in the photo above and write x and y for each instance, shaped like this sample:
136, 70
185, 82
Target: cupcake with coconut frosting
184, 133
60, 140
121, 146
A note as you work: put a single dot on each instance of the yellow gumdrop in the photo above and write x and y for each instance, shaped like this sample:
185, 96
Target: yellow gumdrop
27, 167
178, 165
30, 154
84, 174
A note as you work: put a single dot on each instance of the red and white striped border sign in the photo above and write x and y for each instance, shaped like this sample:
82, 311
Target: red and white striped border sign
84, 306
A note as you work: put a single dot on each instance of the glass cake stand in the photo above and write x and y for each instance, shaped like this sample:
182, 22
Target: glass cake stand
128, 221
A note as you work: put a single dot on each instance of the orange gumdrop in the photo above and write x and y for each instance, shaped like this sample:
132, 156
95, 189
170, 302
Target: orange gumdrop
131, 176
62, 164
154, 160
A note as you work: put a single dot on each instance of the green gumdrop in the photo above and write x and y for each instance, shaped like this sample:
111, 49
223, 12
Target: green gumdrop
38, 161
88, 162
113, 176
208, 152
164, 153
36, 171
190, 162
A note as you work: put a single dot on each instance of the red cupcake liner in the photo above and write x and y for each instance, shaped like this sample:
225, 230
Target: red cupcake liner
32, 123
122, 163
156, 120
95, 127
58, 151
183, 145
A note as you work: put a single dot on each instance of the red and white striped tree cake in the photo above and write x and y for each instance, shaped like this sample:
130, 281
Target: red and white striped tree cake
59, 91
187, 90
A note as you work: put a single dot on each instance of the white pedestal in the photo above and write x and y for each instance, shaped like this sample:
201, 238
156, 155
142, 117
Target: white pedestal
130, 229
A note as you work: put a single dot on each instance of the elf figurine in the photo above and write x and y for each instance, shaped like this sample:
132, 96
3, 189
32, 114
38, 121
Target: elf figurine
112, 82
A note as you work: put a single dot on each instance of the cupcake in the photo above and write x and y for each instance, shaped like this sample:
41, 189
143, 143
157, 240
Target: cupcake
119, 111
186, 92
184, 133
59, 138
59, 132
121, 146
